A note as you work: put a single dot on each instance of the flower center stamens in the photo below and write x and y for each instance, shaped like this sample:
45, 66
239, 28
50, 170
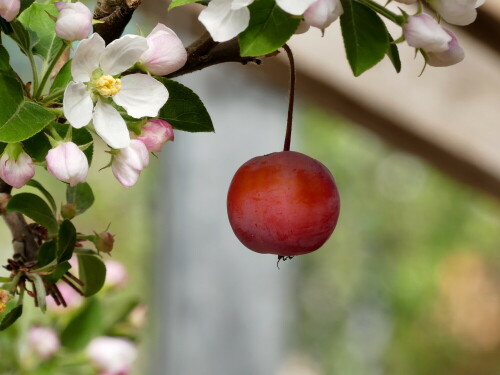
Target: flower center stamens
108, 86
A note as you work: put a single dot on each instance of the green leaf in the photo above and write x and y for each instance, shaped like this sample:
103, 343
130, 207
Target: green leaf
45, 192
24, 38
184, 109
47, 254
4, 59
83, 327
11, 317
92, 272
66, 241
59, 272
82, 195
35, 208
393, 53
38, 146
270, 27
36, 19
365, 36
20, 118
176, 3
41, 296
63, 77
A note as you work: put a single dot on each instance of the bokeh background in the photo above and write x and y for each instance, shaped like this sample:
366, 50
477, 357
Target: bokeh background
409, 282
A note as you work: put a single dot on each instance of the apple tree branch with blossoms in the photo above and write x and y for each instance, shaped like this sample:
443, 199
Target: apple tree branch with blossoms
119, 90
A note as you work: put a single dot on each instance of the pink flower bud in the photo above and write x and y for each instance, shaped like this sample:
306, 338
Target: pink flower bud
453, 55
9, 9
138, 316
71, 297
166, 54
16, 166
104, 242
128, 163
68, 163
44, 342
422, 31
116, 274
112, 355
74, 21
323, 12
155, 133
456, 12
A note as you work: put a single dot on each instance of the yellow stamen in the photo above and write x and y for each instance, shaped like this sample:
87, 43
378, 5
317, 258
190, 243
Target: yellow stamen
108, 86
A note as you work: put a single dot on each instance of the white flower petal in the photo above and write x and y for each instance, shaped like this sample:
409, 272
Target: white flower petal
87, 57
77, 104
122, 53
110, 125
296, 7
222, 22
237, 4
141, 95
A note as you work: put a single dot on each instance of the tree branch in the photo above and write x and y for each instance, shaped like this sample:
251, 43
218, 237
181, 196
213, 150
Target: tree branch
204, 52
23, 241
114, 15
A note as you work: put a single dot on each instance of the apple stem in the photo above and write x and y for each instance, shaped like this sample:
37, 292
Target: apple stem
288, 136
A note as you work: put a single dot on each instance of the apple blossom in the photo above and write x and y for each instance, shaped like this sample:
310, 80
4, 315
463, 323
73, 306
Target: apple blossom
456, 12
422, 31
165, 54
128, 162
74, 21
44, 342
453, 55
16, 166
67, 163
9, 9
94, 69
323, 12
116, 274
71, 297
155, 133
112, 354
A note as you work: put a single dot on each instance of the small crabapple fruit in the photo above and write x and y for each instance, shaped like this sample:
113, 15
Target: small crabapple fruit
284, 203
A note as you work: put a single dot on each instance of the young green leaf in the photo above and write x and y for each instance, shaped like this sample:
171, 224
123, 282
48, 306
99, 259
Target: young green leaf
270, 27
66, 241
35, 208
393, 53
84, 326
184, 109
4, 59
45, 192
11, 317
82, 195
176, 3
62, 78
47, 254
92, 272
41, 296
365, 36
59, 272
24, 38
20, 118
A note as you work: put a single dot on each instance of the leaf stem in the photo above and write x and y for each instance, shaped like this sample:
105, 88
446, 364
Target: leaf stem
400, 20
55, 95
288, 136
48, 70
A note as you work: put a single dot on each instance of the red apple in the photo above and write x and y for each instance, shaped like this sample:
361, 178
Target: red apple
284, 203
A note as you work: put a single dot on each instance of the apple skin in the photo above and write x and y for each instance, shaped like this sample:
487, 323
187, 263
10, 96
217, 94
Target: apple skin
284, 203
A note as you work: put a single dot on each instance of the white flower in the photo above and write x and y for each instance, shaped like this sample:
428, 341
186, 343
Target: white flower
74, 21
9, 9
44, 342
67, 163
95, 69
225, 19
323, 12
165, 54
452, 55
112, 354
129, 162
457, 12
295, 7
422, 31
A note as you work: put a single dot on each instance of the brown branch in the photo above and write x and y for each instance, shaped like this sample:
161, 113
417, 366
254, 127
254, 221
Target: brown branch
114, 15
204, 52
23, 241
